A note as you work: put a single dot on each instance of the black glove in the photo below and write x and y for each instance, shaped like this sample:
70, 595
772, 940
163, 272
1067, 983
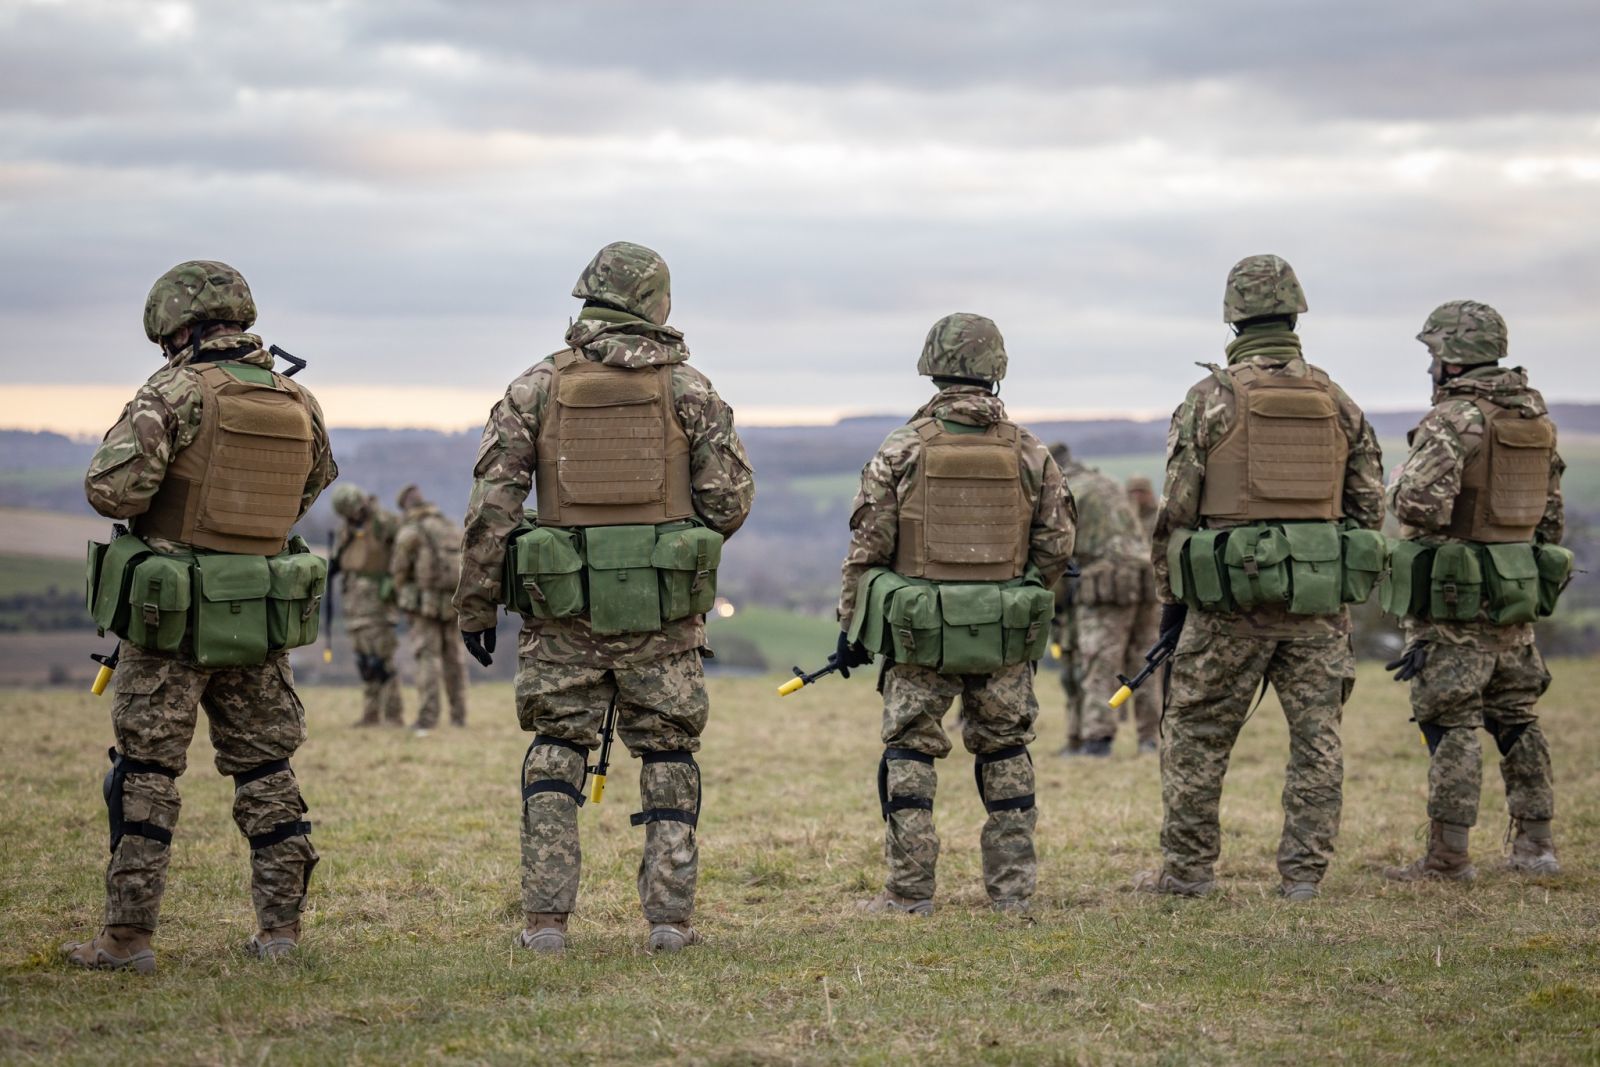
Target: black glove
480, 643
849, 654
1410, 663
1172, 616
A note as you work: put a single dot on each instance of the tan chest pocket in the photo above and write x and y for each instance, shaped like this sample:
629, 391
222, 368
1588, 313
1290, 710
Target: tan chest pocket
976, 513
612, 447
1297, 451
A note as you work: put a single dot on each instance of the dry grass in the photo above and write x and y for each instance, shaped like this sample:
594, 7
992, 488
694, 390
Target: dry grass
409, 953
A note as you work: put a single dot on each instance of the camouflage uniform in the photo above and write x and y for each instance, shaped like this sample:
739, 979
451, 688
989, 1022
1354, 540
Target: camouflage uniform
997, 710
1065, 646
1223, 658
256, 720
1147, 699
1476, 674
367, 603
427, 567
567, 675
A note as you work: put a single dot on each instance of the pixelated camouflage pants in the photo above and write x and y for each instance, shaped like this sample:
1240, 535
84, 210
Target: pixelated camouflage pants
255, 719
1147, 698
441, 663
1462, 687
661, 711
380, 700
997, 715
1105, 633
1215, 676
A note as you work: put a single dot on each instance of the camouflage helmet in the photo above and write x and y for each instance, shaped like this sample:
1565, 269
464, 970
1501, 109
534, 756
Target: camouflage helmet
1261, 285
1466, 333
630, 277
349, 500
964, 346
201, 290
406, 493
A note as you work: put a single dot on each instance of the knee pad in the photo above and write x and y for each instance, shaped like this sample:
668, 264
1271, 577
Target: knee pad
1432, 733
1505, 737
285, 828
111, 787
1024, 769
891, 804
531, 789
650, 798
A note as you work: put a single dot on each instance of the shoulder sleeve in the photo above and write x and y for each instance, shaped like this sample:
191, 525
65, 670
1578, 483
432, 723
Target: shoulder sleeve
721, 480
128, 467
1424, 492
875, 515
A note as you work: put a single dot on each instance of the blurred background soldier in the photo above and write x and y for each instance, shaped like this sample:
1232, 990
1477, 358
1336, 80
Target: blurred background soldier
960, 530
212, 462
427, 568
1480, 497
1147, 699
640, 477
1064, 637
362, 549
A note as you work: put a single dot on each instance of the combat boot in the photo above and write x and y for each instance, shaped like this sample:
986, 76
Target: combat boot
1533, 849
274, 944
1099, 748
1162, 882
888, 903
1015, 906
1298, 892
114, 948
1445, 861
545, 932
672, 937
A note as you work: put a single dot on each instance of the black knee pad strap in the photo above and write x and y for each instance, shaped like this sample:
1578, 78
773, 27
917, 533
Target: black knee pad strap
255, 774
892, 804
1433, 733
1505, 737
278, 834
649, 815
111, 787
1022, 803
552, 785
559, 742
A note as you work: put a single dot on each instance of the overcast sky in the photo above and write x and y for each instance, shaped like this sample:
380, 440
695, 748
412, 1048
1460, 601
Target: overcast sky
411, 188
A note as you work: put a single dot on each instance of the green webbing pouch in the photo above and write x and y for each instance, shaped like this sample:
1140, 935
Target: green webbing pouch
1257, 563
110, 578
548, 573
158, 603
1555, 571
686, 557
1025, 618
1178, 580
914, 624
870, 623
1195, 569
1455, 583
230, 610
297, 580
513, 597
1366, 555
1314, 553
624, 596
1410, 580
973, 641
1511, 583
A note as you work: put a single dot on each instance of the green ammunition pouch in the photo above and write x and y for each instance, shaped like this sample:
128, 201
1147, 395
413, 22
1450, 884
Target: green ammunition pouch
1196, 571
546, 573
297, 581
1298, 566
686, 558
1555, 571
1365, 557
158, 603
230, 610
1455, 583
1410, 579
513, 597
624, 595
1510, 582
109, 579
953, 627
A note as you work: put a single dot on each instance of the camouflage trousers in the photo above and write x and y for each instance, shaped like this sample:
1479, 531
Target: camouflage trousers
1147, 698
1215, 677
1071, 674
1113, 639
441, 662
661, 711
997, 715
380, 696
256, 723
1465, 686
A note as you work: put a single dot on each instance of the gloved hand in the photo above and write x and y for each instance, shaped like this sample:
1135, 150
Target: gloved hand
480, 644
1410, 663
849, 654
1172, 617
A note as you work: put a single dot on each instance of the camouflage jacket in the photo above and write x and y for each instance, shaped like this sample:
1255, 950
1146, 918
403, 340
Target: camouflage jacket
1205, 416
163, 419
722, 483
366, 599
426, 563
875, 520
1108, 525
1424, 492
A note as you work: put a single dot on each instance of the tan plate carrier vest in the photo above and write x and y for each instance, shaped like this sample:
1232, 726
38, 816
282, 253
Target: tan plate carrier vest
1505, 485
1284, 456
966, 517
237, 487
611, 449
364, 551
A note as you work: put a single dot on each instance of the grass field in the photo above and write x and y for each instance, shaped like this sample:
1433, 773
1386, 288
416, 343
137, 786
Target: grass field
785, 638
29, 576
408, 955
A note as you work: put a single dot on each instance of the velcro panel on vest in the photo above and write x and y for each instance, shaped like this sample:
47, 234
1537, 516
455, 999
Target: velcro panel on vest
893, 804
1297, 450
1519, 471
259, 464
656, 812
1021, 802
613, 437
974, 507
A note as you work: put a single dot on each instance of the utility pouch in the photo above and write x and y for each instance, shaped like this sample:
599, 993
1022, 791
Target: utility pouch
1365, 556
1410, 580
297, 581
870, 623
513, 596
110, 577
686, 557
1455, 583
1025, 621
914, 624
158, 603
1257, 565
547, 573
1555, 571
624, 596
1314, 570
1511, 583
230, 610
973, 641
1197, 556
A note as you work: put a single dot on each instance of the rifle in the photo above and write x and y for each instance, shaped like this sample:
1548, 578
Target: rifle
108, 664
1159, 653
608, 730
327, 603
802, 679
296, 364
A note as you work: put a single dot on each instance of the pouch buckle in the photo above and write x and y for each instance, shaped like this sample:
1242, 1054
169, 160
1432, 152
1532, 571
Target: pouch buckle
152, 615
1251, 567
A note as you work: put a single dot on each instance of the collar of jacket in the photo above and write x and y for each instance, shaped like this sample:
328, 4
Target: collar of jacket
630, 342
222, 342
1268, 343
971, 405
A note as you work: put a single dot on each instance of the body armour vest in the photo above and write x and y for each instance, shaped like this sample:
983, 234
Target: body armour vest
966, 517
611, 449
365, 549
1284, 456
237, 487
1504, 486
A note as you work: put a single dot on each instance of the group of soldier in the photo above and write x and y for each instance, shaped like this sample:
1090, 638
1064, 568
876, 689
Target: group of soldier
963, 526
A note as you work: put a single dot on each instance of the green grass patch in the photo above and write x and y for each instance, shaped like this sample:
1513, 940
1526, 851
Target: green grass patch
784, 638
27, 576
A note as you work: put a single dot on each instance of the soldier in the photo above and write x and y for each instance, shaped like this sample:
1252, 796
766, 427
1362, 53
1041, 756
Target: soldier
1266, 458
212, 462
636, 461
1146, 619
361, 557
1482, 482
427, 568
962, 515
1064, 639
1110, 560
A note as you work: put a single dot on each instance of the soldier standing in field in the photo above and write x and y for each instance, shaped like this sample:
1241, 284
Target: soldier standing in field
1146, 618
1268, 464
212, 462
363, 546
1479, 497
427, 568
639, 476
1064, 638
960, 530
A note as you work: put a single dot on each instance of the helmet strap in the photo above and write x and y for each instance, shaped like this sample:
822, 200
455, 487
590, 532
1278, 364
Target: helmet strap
946, 380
